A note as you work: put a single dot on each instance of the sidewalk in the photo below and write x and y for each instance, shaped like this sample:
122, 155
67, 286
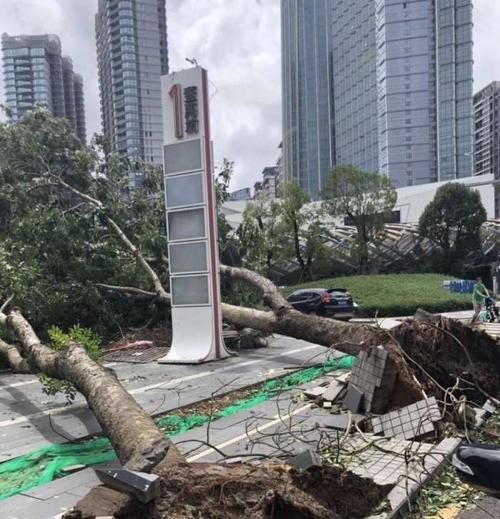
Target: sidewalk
485, 508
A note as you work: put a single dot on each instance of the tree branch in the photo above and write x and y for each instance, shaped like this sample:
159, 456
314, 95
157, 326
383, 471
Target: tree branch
118, 231
272, 296
137, 293
16, 361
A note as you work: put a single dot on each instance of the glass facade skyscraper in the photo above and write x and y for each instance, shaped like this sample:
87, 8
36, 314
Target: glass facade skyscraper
36, 73
307, 86
355, 83
400, 88
424, 53
132, 56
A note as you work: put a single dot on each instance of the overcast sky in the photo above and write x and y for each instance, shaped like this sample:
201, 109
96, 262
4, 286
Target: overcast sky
238, 41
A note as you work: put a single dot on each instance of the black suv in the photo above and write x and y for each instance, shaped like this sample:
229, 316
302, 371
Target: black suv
335, 302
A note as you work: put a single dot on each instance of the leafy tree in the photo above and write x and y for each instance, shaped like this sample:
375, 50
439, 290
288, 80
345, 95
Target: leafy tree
258, 236
300, 225
365, 199
54, 249
275, 233
452, 221
224, 173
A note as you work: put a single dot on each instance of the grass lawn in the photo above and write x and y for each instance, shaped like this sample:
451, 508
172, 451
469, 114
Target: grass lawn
396, 294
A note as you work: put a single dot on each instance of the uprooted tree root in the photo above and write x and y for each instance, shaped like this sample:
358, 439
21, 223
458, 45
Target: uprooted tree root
449, 351
215, 491
272, 491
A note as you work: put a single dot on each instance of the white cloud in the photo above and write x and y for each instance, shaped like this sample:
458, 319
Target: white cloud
238, 41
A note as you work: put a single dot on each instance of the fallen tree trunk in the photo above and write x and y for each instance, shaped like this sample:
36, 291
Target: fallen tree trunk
429, 353
408, 345
138, 443
421, 352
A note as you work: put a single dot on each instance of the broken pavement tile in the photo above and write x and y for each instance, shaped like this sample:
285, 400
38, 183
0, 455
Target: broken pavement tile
314, 392
340, 422
408, 422
305, 460
490, 407
374, 375
332, 391
353, 398
145, 487
344, 378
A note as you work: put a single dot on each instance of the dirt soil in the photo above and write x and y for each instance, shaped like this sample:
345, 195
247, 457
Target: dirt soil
458, 351
212, 491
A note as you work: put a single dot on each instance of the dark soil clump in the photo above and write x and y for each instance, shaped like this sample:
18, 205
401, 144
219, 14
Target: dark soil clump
219, 491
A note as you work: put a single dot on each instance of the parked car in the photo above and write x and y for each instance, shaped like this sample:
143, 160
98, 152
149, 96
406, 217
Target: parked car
333, 302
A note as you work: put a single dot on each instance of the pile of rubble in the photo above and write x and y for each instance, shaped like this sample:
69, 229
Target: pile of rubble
359, 397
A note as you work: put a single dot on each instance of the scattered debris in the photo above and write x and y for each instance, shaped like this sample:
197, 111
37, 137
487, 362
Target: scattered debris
405, 464
485, 413
145, 487
332, 391
305, 460
344, 378
251, 339
314, 392
132, 346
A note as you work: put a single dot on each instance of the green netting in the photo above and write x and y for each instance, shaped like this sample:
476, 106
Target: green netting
48, 463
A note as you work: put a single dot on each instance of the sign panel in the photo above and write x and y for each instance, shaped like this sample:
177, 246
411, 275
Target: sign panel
191, 220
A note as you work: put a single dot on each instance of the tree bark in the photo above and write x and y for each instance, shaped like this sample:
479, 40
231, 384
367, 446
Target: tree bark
14, 358
138, 443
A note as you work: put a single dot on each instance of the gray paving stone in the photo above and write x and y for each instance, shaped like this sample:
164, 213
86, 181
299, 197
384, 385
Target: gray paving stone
341, 421
485, 508
333, 391
353, 399
408, 422
314, 392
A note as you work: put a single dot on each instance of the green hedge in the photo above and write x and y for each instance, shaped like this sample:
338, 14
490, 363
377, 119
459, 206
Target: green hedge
396, 294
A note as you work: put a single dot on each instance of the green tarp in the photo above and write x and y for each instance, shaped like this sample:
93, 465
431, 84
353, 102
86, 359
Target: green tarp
48, 463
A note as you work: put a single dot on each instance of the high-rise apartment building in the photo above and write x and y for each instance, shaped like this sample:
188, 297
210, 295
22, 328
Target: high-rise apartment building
36, 73
132, 56
398, 76
487, 130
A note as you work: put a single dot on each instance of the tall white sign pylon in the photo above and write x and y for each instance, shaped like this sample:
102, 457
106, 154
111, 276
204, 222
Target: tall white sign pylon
191, 220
